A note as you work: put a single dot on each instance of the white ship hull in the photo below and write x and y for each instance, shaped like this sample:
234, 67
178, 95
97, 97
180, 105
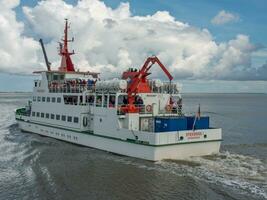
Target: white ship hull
181, 150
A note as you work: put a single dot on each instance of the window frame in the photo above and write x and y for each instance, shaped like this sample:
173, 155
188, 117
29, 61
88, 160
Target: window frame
76, 120
63, 118
57, 117
69, 118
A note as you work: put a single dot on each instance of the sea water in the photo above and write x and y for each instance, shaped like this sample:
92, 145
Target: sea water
36, 167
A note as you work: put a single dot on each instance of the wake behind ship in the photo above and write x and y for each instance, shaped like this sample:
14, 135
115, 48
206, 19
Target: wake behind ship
133, 115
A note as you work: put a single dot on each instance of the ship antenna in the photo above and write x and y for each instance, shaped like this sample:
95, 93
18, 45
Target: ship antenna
66, 62
48, 64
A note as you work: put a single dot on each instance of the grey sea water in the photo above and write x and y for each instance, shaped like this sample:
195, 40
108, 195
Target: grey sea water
36, 167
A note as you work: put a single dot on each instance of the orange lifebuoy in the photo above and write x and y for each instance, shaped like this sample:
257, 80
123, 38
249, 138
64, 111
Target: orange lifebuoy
168, 108
148, 108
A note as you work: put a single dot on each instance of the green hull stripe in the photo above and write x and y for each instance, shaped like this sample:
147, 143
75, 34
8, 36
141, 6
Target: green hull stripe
132, 141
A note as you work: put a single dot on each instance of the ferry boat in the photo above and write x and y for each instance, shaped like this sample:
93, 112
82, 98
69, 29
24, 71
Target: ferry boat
131, 115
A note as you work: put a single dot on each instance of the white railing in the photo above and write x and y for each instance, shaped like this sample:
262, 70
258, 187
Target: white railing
143, 110
64, 88
57, 87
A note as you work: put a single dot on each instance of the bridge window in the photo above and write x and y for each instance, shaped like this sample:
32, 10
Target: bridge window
33, 114
47, 99
57, 77
42, 115
63, 117
52, 116
38, 114
53, 99
43, 99
34, 99
38, 98
58, 100
47, 115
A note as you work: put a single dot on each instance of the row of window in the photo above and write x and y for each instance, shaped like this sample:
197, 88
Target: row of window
56, 116
56, 133
47, 99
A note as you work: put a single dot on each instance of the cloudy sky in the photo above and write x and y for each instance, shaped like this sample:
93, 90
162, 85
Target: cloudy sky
208, 46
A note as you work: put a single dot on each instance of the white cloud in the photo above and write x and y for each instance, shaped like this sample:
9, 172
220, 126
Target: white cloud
110, 40
224, 17
17, 52
261, 53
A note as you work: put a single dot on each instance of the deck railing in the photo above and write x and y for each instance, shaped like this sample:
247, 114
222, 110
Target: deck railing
64, 88
143, 110
57, 87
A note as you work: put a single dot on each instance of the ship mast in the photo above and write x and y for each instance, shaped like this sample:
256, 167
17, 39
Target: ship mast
66, 62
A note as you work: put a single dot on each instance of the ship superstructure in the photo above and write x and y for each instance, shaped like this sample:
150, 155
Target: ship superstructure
131, 115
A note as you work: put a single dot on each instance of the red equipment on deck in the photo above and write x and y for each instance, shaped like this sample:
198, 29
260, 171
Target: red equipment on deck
66, 62
139, 82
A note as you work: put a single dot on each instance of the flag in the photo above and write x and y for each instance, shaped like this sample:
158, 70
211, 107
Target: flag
198, 112
197, 117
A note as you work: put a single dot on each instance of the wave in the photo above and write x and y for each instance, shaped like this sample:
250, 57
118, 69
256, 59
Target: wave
230, 171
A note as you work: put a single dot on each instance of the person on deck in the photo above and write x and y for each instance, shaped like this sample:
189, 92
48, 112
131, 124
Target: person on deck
180, 105
112, 102
125, 100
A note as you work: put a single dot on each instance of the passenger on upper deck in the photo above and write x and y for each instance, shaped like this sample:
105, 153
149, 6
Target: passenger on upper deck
139, 101
91, 99
180, 105
112, 102
125, 100
174, 106
99, 101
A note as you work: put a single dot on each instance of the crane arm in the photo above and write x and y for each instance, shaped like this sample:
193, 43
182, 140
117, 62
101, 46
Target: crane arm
162, 67
144, 70
48, 64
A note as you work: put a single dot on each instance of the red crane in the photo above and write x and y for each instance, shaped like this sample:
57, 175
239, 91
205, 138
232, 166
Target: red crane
140, 78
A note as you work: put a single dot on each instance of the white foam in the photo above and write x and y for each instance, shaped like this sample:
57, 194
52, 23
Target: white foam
234, 171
